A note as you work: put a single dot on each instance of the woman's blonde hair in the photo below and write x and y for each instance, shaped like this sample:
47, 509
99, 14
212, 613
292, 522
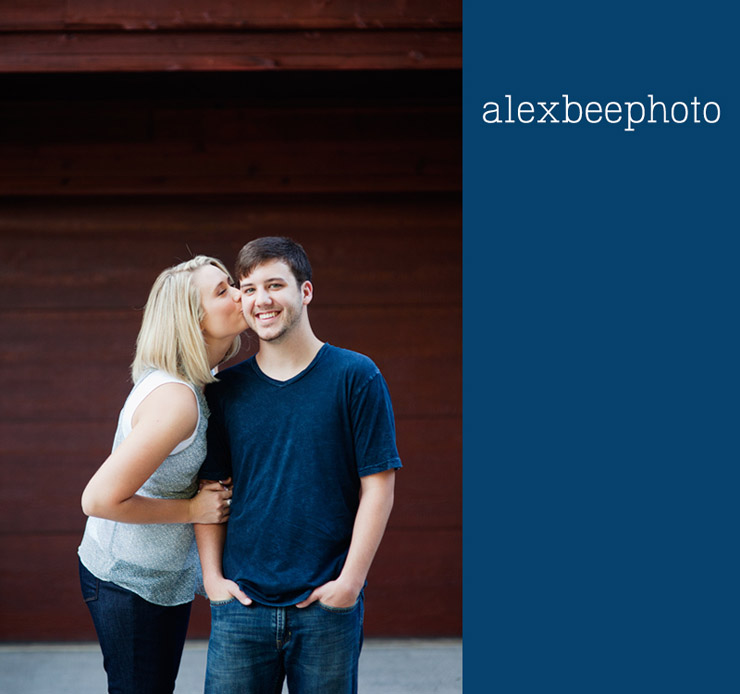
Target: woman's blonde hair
170, 337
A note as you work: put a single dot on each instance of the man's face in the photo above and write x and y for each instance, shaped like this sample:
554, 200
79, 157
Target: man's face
272, 302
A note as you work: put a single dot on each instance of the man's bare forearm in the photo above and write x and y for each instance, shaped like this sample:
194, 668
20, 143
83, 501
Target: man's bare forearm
372, 518
210, 540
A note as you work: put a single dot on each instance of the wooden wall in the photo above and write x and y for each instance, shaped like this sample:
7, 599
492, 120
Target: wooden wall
105, 179
105, 36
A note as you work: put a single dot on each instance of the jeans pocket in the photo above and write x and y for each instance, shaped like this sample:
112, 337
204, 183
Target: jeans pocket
219, 603
89, 584
338, 610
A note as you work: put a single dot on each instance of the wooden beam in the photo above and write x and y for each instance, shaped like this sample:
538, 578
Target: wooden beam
62, 15
229, 51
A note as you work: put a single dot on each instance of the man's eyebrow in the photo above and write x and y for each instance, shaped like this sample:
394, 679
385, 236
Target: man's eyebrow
247, 283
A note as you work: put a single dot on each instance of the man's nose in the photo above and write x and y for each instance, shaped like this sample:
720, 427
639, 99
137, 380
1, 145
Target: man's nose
262, 296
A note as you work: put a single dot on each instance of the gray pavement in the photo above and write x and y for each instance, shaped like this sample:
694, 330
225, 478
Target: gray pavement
387, 666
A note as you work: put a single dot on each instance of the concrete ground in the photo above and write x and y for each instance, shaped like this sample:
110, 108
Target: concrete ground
387, 666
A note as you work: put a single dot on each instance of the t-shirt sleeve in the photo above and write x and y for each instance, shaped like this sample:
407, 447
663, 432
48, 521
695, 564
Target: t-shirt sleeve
374, 427
217, 464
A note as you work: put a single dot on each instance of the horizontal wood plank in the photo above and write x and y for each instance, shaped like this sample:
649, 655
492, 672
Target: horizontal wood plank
40, 598
39, 14
339, 49
420, 361
414, 588
106, 254
429, 486
236, 134
415, 584
127, 169
210, 124
55, 15
63, 456
412, 221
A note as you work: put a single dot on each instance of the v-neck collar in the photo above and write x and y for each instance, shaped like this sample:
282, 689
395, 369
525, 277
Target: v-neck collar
293, 379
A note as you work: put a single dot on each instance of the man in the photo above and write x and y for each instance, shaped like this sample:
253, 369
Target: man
306, 431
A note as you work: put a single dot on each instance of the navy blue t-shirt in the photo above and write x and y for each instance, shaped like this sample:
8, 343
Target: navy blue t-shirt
296, 451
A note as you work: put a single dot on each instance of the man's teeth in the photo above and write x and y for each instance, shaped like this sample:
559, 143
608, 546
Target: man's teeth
267, 316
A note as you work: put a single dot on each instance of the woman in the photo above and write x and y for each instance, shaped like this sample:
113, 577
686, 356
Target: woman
139, 567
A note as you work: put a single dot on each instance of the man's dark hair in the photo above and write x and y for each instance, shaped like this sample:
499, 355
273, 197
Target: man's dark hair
267, 248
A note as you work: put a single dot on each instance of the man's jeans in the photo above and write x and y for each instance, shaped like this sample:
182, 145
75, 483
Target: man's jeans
253, 649
141, 642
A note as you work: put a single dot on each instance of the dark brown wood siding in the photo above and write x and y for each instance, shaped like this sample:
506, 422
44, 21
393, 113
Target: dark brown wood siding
194, 35
105, 180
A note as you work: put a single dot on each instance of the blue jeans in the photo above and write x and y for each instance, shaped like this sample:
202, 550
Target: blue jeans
253, 649
141, 642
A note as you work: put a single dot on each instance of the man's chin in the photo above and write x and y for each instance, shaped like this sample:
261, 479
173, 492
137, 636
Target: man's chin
268, 336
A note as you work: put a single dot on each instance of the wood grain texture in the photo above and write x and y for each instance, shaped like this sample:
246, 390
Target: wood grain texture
56, 15
41, 600
211, 51
64, 455
87, 36
93, 344
383, 250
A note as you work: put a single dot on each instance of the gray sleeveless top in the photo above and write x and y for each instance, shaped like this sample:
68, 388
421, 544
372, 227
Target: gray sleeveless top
158, 562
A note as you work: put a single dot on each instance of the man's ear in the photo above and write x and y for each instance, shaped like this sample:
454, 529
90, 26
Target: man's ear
307, 292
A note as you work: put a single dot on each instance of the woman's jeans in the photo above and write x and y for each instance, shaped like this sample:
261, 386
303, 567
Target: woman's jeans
141, 642
253, 649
